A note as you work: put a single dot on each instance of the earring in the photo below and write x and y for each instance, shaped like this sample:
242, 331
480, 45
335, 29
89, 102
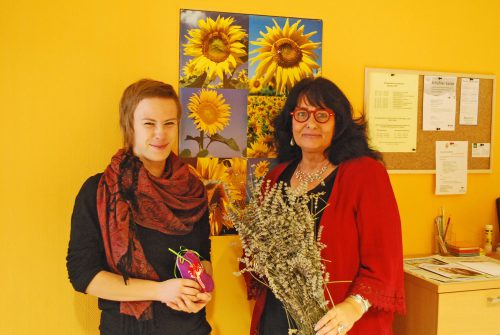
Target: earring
292, 142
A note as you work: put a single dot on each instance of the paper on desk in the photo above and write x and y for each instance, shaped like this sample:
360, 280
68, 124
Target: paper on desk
453, 270
424, 267
483, 266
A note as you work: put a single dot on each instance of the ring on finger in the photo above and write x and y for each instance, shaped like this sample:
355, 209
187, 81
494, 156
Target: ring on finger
341, 328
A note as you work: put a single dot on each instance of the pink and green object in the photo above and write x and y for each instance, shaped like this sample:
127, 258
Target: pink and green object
190, 267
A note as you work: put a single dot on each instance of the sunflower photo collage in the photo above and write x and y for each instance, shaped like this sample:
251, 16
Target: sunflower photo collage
235, 72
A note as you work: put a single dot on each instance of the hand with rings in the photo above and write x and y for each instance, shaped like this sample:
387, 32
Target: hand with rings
341, 328
338, 320
332, 327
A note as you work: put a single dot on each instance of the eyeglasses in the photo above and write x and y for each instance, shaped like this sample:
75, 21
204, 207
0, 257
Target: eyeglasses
320, 115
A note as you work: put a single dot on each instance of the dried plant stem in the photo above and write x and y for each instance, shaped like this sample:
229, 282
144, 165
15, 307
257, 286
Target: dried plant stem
282, 251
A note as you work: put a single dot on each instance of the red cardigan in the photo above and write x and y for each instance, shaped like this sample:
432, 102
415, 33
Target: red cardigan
362, 233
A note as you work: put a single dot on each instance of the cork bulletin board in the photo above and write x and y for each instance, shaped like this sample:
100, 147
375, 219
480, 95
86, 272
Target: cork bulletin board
422, 160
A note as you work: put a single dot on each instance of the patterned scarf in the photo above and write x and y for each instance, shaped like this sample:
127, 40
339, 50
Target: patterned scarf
127, 196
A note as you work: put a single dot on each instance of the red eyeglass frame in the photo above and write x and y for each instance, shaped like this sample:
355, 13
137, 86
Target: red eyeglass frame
312, 111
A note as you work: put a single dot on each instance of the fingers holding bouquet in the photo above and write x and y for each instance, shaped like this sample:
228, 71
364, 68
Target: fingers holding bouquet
339, 319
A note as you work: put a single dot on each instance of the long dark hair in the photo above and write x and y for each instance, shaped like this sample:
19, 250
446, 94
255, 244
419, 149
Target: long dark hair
349, 140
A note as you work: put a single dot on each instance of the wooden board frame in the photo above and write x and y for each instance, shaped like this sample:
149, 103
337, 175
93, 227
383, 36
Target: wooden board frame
423, 160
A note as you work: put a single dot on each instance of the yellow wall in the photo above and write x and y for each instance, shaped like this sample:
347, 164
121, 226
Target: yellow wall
64, 64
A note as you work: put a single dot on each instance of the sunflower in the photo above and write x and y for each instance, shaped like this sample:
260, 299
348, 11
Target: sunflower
267, 138
216, 46
219, 191
189, 69
259, 149
261, 169
237, 172
209, 169
243, 76
272, 83
209, 111
286, 53
255, 85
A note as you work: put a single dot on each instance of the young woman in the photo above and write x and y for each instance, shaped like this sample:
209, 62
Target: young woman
126, 219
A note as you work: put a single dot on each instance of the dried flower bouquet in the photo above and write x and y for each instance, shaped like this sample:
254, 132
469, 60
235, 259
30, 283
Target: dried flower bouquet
281, 250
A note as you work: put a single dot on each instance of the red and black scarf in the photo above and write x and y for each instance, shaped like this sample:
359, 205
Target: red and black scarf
128, 195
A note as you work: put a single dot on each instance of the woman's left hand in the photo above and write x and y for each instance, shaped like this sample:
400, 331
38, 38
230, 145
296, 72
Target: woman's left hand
203, 299
193, 303
339, 319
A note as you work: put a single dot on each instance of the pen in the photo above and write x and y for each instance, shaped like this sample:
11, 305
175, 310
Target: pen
446, 229
442, 221
439, 225
442, 245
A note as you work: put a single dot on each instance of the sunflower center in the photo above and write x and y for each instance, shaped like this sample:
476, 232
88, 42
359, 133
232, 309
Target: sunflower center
208, 113
286, 52
216, 47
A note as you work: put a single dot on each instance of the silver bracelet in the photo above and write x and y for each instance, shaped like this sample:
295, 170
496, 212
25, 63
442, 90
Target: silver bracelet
364, 303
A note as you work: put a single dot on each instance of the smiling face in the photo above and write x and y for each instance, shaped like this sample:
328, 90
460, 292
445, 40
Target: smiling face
312, 136
155, 132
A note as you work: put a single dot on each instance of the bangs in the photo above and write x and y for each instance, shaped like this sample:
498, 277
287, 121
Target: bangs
313, 97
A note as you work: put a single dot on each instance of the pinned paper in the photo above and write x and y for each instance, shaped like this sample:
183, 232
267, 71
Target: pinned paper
451, 167
439, 103
480, 150
469, 97
393, 106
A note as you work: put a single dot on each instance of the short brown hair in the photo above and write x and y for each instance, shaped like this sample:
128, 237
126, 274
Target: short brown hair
135, 93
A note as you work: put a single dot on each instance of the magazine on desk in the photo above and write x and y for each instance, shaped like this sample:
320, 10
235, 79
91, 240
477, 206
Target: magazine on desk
453, 269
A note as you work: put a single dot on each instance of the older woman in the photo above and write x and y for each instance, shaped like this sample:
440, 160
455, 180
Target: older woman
320, 144
126, 219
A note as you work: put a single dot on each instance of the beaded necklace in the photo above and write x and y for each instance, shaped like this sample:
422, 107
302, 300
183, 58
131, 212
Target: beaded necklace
308, 178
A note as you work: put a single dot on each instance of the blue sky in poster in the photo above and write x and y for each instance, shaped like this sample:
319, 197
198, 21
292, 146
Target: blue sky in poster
258, 23
252, 24
236, 129
189, 20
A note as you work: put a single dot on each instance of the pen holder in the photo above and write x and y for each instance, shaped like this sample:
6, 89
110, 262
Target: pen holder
442, 233
441, 246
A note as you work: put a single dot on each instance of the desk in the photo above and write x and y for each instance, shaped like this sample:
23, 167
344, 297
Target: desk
434, 308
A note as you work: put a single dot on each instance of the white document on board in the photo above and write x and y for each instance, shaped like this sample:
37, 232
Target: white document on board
469, 99
439, 107
480, 150
393, 106
451, 167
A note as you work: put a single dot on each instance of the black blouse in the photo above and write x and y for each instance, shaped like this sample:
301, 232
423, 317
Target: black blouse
274, 320
86, 257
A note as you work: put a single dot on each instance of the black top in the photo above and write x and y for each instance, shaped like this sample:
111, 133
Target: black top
274, 320
86, 257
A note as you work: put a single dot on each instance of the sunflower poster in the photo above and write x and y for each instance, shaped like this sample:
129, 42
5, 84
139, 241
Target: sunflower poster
235, 72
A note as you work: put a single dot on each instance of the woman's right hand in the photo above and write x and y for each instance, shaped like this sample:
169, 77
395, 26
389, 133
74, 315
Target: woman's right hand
180, 294
341, 317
